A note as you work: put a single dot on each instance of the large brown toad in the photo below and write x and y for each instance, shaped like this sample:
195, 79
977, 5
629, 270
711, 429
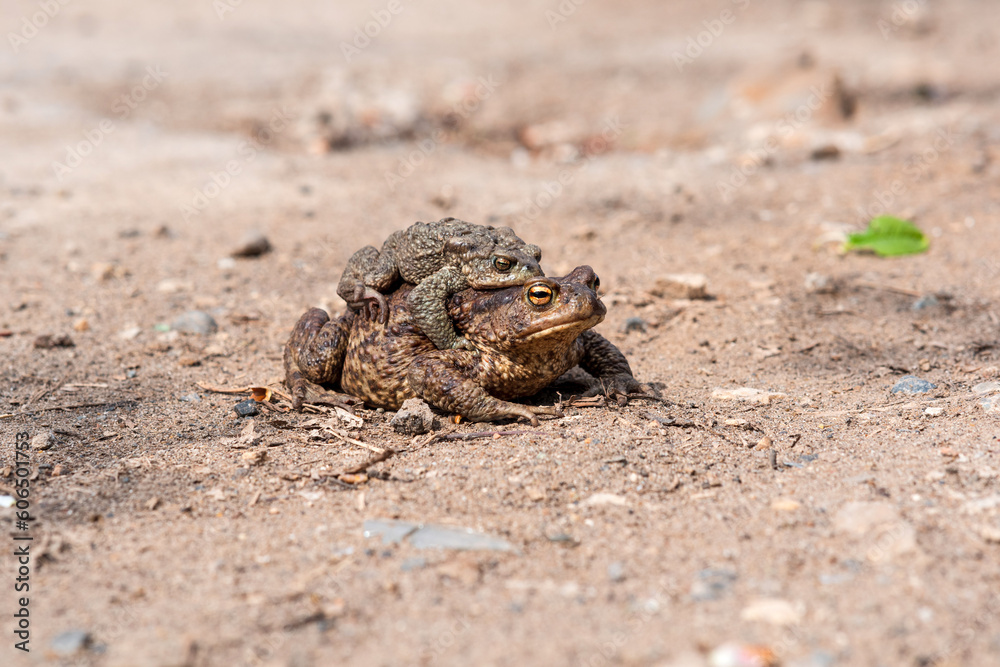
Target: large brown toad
523, 337
439, 258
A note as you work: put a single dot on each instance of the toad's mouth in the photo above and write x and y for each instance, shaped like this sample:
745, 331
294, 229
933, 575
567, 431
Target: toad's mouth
545, 330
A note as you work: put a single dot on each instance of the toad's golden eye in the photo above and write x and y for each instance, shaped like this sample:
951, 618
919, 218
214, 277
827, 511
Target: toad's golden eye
595, 284
502, 264
540, 295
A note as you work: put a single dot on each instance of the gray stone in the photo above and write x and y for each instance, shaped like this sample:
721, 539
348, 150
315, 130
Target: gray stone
984, 388
195, 322
910, 384
414, 418
616, 571
634, 324
925, 302
414, 563
991, 404
70, 642
712, 584
814, 659
431, 536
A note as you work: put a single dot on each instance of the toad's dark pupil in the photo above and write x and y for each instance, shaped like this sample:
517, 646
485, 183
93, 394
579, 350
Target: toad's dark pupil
540, 295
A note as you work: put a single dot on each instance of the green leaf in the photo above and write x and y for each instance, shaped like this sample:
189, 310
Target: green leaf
888, 236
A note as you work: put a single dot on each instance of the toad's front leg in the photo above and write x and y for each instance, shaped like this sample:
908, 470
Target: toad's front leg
427, 307
368, 273
314, 354
608, 365
445, 379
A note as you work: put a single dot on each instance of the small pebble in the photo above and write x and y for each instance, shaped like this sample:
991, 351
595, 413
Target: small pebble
616, 571
934, 412
43, 441
190, 398
785, 505
195, 322
741, 655
817, 283
989, 533
247, 408
990, 404
48, 342
413, 418
173, 286
634, 324
682, 286
825, 152
534, 494
106, 271
910, 384
925, 302
712, 584
69, 642
253, 244
774, 611
254, 457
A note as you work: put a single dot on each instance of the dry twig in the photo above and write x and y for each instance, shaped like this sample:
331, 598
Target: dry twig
486, 434
337, 433
224, 390
365, 465
76, 406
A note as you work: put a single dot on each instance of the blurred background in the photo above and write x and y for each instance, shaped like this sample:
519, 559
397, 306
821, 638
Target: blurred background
345, 117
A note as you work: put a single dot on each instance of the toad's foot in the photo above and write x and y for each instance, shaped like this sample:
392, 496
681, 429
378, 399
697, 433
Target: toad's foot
370, 303
531, 412
310, 392
615, 385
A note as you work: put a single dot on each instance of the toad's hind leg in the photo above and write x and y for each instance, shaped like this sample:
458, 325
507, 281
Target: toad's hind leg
442, 378
314, 353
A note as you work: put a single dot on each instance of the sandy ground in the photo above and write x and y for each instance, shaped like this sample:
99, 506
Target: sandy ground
834, 524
